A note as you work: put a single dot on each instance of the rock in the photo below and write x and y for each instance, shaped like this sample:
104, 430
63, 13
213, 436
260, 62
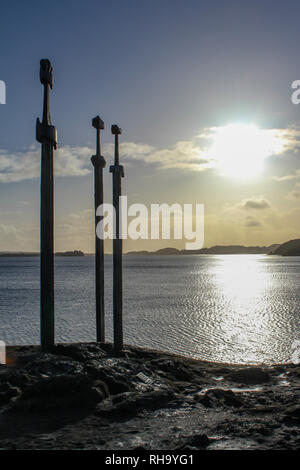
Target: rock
199, 441
292, 415
62, 392
222, 370
53, 366
218, 397
263, 430
81, 352
7, 391
174, 368
19, 379
185, 449
111, 379
114, 385
132, 403
250, 376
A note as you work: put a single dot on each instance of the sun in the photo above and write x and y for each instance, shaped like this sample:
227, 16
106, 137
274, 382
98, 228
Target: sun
239, 150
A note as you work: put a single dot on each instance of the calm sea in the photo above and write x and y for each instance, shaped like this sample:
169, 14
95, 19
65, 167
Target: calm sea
232, 308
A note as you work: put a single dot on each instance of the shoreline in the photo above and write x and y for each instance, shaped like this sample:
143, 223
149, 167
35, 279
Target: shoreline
159, 352
82, 396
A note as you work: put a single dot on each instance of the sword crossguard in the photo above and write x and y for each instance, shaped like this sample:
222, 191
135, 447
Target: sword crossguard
46, 133
98, 161
117, 170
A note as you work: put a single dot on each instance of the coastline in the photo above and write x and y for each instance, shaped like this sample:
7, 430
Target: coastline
81, 396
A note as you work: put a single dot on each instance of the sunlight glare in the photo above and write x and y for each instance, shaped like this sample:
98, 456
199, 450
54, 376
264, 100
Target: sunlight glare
240, 149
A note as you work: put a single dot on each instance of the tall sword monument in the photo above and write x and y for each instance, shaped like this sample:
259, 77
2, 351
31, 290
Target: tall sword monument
117, 171
99, 163
47, 136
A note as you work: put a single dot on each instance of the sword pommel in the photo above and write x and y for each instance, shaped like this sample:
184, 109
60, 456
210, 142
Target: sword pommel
116, 130
97, 123
46, 75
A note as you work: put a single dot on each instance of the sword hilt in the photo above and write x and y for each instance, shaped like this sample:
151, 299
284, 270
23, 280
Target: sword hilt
98, 160
116, 131
45, 132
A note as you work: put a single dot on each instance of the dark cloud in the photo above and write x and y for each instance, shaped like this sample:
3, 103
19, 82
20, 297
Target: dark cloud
256, 204
252, 222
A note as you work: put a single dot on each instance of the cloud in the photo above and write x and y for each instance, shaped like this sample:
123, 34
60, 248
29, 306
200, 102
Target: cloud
293, 195
185, 155
7, 230
20, 166
255, 203
252, 222
75, 161
197, 154
75, 231
8, 235
294, 176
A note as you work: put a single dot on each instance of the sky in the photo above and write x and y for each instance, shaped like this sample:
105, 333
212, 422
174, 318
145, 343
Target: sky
202, 91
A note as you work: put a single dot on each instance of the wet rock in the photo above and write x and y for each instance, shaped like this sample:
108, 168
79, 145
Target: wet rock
194, 442
174, 368
250, 376
99, 391
292, 415
222, 370
7, 391
262, 409
19, 379
115, 382
184, 449
133, 403
218, 397
81, 352
53, 366
199, 441
62, 392
263, 430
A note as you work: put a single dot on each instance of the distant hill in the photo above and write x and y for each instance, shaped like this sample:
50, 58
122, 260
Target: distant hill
18, 253
22, 254
70, 253
290, 248
214, 250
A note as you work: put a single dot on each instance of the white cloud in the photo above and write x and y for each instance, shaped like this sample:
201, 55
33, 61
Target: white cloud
294, 176
20, 166
185, 155
192, 155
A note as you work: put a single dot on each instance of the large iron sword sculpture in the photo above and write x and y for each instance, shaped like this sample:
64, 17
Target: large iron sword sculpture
118, 173
99, 163
46, 135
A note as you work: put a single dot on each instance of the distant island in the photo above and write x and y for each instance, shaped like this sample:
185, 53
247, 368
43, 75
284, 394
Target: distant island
22, 254
18, 253
70, 253
214, 250
290, 248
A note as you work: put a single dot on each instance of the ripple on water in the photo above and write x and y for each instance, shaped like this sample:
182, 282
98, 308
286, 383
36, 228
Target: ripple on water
239, 309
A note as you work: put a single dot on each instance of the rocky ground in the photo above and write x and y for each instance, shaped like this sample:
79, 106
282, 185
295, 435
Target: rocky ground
81, 396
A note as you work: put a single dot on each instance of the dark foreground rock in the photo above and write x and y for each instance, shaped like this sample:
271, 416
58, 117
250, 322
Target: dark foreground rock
251, 376
81, 396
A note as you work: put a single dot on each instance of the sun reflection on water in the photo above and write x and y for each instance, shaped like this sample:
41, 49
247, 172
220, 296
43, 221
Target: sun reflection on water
246, 324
